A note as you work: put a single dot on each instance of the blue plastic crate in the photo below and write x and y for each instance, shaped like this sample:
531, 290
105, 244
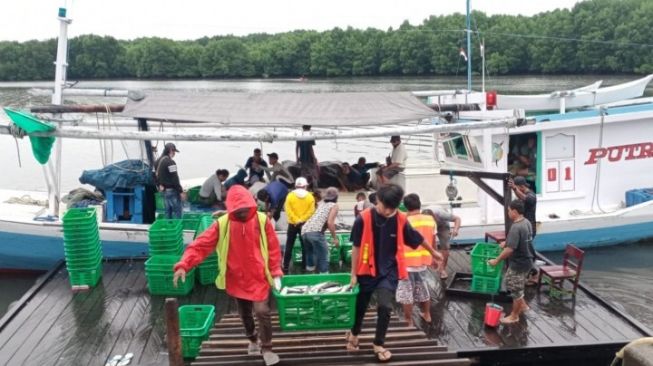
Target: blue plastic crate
122, 201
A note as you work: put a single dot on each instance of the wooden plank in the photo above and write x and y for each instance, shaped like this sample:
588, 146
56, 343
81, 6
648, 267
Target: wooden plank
64, 332
216, 333
342, 358
209, 348
10, 337
433, 354
20, 341
94, 352
87, 317
458, 362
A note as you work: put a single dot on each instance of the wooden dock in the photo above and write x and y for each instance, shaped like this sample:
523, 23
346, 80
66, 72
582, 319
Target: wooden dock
51, 325
409, 347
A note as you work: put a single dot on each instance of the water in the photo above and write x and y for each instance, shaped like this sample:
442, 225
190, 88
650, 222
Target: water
621, 274
12, 287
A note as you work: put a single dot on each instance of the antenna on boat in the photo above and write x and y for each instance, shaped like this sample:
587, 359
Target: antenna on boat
469, 49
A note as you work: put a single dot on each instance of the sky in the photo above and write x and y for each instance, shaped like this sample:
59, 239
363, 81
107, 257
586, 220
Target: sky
191, 19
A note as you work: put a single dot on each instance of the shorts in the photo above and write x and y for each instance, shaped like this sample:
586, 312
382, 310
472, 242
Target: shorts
443, 240
515, 282
412, 290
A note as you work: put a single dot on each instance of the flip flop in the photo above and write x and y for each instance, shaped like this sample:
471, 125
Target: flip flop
507, 321
351, 345
113, 361
126, 359
382, 354
444, 275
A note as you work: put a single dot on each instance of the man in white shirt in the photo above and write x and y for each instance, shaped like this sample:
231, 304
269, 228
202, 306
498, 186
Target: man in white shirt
397, 163
212, 193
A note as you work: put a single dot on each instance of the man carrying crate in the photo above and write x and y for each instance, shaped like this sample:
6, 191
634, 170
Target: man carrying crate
516, 249
378, 262
249, 262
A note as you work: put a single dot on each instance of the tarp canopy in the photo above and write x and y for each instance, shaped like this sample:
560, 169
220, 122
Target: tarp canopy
281, 109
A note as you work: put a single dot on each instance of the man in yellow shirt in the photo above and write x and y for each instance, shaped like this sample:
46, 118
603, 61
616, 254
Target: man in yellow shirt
299, 206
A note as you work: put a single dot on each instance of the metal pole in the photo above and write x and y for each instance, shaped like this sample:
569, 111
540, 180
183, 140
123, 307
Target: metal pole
483, 65
469, 48
54, 194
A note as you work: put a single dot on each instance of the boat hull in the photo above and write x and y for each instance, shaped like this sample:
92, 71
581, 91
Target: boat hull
34, 246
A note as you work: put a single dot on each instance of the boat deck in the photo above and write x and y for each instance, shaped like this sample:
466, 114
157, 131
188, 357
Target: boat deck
51, 325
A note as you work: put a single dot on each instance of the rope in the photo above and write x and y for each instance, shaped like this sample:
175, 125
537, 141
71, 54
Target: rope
597, 177
27, 200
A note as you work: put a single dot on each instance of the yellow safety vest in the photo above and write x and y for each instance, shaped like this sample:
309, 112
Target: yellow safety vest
222, 249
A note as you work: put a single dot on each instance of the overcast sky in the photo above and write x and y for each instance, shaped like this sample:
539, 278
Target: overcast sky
191, 19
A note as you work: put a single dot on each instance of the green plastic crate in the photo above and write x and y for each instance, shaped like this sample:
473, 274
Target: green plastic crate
159, 202
486, 285
483, 252
161, 263
193, 194
208, 270
297, 252
87, 276
205, 221
335, 254
316, 311
165, 228
191, 220
346, 252
81, 236
80, 215
161, 283
195, 322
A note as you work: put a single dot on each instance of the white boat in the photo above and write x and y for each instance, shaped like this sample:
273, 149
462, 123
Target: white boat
584, 97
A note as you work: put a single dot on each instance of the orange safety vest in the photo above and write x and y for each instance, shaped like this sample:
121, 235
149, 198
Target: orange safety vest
425, 225
366, 265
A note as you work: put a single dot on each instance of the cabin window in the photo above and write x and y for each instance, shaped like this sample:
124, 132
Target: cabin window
461, 148
560, 170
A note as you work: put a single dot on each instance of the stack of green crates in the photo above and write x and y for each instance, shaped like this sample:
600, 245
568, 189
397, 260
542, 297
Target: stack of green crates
316, 311
345, 247
485, 277
195, 322
166, 237
191, 220
159, 270
82, 248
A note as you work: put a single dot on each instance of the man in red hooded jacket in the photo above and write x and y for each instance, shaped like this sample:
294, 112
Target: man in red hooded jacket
250, 262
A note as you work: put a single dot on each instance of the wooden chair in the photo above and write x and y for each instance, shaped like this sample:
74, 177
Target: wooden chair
555, 276
497, 236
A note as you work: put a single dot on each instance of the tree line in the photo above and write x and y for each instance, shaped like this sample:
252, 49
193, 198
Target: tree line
598, 36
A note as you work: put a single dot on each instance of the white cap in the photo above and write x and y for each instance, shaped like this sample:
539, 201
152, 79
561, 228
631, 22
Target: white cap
301, 182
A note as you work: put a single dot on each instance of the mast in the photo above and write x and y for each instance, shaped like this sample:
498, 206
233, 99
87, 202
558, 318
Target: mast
469, 48
53, 174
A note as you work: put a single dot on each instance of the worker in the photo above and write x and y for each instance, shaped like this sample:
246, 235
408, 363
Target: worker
213, 192
379, 237
249, 264
167, 179
299, 206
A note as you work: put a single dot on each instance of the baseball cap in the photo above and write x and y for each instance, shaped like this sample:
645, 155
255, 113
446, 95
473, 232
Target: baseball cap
171, 146
395, 138
273, 155
520, 181
331, 193
301, 182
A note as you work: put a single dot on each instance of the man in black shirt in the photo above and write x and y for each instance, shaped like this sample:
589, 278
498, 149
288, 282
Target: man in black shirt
516, 249
305, 154
168, 181
256, 166
378, 262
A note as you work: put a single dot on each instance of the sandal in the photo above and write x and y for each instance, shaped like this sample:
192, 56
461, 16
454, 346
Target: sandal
382, 354
352, 342
507, 320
